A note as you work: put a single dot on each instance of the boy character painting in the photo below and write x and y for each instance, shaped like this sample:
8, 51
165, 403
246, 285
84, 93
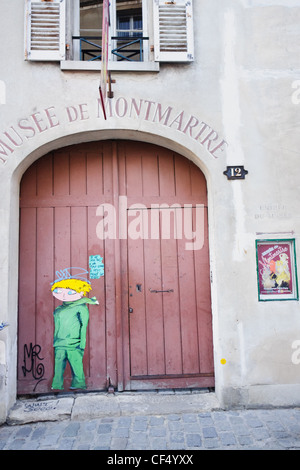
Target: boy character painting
70, 325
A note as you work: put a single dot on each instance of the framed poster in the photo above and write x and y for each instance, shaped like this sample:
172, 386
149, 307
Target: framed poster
276, 270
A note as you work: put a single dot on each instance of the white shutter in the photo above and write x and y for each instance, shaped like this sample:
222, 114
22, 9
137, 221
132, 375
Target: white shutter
45, 30
173, 30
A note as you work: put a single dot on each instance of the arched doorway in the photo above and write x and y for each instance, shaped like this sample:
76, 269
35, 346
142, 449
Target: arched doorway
143, 210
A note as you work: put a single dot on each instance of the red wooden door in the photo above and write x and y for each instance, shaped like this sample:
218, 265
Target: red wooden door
169, 307
60, 194
166, 341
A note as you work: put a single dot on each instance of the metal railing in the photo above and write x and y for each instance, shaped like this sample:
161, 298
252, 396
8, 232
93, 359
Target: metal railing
90, 54
128, 48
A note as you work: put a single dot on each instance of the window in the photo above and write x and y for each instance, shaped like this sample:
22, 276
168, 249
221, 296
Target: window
128, 43
87, 44
71, 30
130, 23
126, 18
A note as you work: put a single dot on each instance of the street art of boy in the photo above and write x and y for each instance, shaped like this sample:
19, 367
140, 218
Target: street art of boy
70, 326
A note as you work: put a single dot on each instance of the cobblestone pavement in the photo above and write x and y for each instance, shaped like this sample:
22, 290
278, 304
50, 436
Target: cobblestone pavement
272, 429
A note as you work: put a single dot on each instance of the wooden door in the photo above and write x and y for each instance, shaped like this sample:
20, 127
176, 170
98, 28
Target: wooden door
169, 306
60, 194
138, 337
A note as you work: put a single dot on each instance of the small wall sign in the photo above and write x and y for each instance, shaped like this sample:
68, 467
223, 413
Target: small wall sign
235, 172
276, 270
96, 266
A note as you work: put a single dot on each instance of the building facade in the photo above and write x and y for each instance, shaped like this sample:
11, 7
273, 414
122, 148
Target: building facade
176, 198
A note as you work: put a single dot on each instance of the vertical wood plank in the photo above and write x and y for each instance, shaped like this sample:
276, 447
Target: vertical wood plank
134, 174
150, 166
78, 177
79, 258
198, 185
171, 305
114, 326
138, 337
202, 275
97, 328
45, 176
28, 187
153, 307
62, 238
95, 184
62, 241
167, 185
27, 285
61, 171
108, 171
189, 328
44, 277
182, 176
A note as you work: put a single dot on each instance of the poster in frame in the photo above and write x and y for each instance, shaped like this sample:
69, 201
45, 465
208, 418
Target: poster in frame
276, 270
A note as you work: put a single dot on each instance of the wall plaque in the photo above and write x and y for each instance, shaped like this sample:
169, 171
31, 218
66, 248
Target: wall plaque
236, 172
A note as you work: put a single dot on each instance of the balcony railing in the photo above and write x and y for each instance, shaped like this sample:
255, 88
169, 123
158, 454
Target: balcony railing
127, 48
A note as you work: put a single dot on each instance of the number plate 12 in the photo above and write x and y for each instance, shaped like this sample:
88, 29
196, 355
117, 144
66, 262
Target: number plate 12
235, 172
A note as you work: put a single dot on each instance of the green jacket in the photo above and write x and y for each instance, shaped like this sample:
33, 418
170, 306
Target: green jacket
70, 323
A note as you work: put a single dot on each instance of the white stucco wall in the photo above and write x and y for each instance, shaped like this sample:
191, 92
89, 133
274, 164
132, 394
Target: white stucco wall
243, 85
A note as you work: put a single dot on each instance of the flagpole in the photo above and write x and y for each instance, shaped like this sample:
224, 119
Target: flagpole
104, 56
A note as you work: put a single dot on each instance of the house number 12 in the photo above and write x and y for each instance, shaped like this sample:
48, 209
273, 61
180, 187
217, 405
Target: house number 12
235, 172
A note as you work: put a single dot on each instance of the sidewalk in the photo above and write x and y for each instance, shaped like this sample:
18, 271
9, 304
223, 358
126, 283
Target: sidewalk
145, 421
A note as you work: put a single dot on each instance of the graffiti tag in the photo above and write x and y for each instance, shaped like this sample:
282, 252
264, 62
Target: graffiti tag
31, 364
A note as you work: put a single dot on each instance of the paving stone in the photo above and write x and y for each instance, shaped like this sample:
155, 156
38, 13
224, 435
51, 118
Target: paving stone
260, 433
241, 430
174, 417
140, 426
118, 443
71, 430
24, 431
227, 438
189, 418
124, 421
193, 440
104, 428
175, 426
254, 422
245, 440
49, 439
209, 432
206, 420
140, 438
156, 421
211, 443
176, 437
275, 426
38, 433
158, 443
157, 432
121, 432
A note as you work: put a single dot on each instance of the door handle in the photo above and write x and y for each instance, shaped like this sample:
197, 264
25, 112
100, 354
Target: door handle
157, 291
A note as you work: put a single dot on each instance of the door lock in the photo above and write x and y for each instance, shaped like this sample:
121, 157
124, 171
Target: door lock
130, 310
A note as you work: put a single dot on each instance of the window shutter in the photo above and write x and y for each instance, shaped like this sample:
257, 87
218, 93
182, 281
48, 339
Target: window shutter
45, 30
173, 30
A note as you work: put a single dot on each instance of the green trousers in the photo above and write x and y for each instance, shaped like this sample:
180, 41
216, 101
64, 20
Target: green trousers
74, 357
